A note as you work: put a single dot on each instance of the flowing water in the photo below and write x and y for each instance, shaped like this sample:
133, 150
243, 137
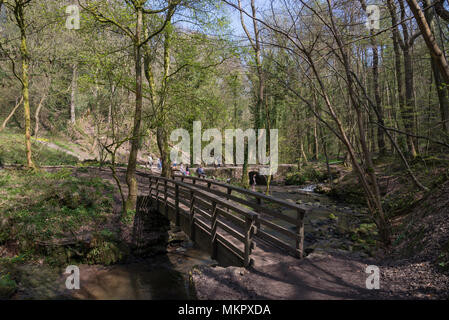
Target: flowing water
321, 206
160, 277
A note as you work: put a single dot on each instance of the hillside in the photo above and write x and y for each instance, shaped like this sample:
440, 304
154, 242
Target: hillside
12, 150
417, 263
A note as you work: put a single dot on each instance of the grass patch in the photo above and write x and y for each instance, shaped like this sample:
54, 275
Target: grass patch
7, 286
12, 151
49, 214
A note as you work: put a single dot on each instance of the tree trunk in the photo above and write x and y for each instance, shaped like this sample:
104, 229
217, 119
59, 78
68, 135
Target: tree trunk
401, 96
132, 161
442, 96
376, 90
257, 59
162, 143
20, 16
73, 94
408, 110
36, 114
440, 85
430, 40
369, 182
11, 114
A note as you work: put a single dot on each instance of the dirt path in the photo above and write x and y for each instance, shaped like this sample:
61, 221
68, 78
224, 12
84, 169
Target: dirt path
81, 156
319, 276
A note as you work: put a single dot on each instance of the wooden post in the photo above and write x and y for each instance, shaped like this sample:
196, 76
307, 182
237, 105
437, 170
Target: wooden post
177, 222
192, 216
157, 194
208, 185
213, 234
300, 234
139, 204
165, 198
227, 198
249, 226
151, 186
259, 203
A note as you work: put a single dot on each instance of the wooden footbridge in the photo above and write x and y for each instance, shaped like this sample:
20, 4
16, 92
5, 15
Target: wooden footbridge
227, 220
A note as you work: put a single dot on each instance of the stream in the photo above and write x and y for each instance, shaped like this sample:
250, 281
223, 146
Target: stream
161, 277
327, 226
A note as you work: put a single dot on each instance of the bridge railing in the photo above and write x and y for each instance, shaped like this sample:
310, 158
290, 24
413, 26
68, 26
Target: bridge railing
210, 212
275, 226
233, 209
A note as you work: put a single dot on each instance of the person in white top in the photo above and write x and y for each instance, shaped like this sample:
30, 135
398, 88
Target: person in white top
182, 170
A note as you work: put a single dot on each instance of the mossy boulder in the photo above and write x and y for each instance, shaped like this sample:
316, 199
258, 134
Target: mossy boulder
105, 252
295, 178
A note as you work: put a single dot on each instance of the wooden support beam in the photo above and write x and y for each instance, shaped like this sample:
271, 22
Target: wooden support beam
213, 238
177, 222
300, 233
192, 216
250, 223
165, 198
157, 194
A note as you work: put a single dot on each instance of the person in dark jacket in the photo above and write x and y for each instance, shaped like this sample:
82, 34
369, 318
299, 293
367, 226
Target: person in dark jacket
200, 172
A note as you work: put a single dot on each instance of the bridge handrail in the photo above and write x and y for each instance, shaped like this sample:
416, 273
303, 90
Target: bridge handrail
247, 192
255, 194
244, 211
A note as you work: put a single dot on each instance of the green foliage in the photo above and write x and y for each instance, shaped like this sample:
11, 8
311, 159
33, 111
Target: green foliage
41, 210
429, 161
105, 248
308, 174
333, 216
365, 237
399, 203
315, 174
295, 178
128, 218
7, 286
12, 151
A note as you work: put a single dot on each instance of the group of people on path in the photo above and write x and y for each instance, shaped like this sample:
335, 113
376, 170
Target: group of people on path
158, 162
184, 170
